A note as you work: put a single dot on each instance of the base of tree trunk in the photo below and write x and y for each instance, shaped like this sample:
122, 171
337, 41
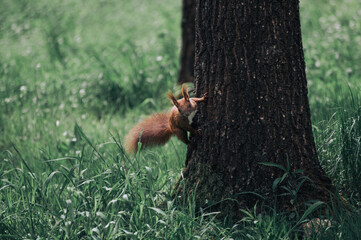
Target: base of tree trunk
208, 187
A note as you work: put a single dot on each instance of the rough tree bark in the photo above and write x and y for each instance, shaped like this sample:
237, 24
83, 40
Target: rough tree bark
186, 71
249, 59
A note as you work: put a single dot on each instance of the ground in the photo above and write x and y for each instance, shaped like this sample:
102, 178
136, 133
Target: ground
76, 75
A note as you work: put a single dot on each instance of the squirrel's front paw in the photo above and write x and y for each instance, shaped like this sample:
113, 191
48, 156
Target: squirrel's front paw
205, 95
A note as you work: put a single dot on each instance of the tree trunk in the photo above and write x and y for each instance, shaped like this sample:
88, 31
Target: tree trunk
249, 59
186, 72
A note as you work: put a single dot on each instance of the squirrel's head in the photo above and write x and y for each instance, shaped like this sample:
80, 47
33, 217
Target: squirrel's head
186, 105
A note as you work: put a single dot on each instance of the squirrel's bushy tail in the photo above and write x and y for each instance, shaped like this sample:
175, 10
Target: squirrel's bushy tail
154, 130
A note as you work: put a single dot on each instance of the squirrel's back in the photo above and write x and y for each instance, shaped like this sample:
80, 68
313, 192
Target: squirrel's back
153, 130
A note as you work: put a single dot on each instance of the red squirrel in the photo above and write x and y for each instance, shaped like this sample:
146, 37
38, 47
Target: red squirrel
158, 128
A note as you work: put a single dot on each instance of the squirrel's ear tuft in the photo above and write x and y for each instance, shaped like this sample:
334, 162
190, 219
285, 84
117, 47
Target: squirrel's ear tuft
185, 92
173, 99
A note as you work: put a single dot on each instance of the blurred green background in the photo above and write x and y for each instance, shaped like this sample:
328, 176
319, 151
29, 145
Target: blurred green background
104, 65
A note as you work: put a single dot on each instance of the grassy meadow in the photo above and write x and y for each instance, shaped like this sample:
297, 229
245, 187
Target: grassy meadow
76, 75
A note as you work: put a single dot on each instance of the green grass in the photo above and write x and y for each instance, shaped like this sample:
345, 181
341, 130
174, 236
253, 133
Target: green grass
104, 65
